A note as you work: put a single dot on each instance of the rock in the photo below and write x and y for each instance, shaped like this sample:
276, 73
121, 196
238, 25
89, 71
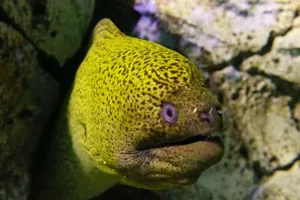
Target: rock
296, 113
282, 185
284, 58
27, 97
264, 120
56, 27
215, 32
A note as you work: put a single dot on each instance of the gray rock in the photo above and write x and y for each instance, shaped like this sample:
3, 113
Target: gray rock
284, 58
219, 31
264, 120
282, 185
27, 97
296, 113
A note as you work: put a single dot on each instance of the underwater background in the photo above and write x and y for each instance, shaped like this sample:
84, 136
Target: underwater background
247, 50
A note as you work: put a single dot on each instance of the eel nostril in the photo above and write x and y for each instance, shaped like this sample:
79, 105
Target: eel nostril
205, 116
213, 116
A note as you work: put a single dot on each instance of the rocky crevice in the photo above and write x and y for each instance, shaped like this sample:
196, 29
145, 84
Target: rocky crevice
238, 60
284, 87
47, 62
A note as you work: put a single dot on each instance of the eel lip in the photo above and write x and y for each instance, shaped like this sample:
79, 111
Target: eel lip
214, 137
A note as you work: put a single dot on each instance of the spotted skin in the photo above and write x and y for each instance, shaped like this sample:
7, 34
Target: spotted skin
113, 116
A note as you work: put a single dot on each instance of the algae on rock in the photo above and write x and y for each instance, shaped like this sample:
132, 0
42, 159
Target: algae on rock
27, 97
56, 27
28, 94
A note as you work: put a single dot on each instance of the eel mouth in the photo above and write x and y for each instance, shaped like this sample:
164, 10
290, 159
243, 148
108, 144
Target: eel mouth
214, 138
172, 162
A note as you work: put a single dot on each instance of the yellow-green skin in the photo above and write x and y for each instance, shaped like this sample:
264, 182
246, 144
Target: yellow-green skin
110, 128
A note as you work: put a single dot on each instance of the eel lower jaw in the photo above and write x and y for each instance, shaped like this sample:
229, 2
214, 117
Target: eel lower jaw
161, 164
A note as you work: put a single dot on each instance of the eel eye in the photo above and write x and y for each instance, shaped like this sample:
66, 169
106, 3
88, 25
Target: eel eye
169, 113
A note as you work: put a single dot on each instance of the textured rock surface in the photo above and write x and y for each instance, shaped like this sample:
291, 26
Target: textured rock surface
27, 93
296, 113
27, 97
284, 58
282, 185
249, 50
214, 32
54, 26
263, 118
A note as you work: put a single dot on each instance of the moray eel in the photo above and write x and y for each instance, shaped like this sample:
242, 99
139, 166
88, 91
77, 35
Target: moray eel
137, 114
